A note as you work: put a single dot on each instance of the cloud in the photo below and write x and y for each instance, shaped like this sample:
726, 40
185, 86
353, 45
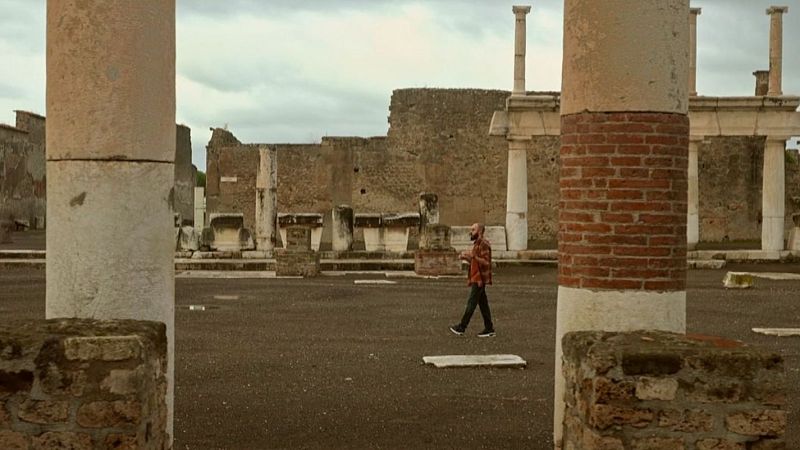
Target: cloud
293, 71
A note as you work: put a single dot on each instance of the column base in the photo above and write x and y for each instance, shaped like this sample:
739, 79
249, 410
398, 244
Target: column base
772, 233
584, 309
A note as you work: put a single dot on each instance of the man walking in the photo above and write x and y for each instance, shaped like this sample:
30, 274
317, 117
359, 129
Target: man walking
480, 274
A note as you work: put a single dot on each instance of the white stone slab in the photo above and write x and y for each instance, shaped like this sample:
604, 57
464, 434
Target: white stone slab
706, 263
738, 280
226, 297
775, 275
374, 282
781, 332
441, 362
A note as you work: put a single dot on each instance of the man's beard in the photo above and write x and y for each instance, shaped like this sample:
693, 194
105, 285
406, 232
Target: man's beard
473, 237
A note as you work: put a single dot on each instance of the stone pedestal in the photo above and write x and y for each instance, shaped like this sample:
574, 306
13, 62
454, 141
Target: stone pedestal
396, 229
111, 140
226, 233
794, 234
312, 221
436, 255
342, 222
370, 224
297, 258
651, 390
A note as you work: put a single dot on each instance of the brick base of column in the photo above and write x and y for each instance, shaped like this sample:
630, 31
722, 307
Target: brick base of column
623, 201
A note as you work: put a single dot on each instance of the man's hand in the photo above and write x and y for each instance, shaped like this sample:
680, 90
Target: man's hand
466, 255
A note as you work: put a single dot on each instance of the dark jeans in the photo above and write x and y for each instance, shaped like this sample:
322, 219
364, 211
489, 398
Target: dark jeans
477, 297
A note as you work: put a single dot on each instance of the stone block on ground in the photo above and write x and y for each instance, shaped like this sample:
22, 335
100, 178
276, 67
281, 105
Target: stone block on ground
671, 391
73, 383
435, 237
437, 262
226, 232
454, 361
738, 280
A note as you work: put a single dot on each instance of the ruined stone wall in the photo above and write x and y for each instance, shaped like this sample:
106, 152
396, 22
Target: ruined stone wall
22, 170
183, 197
75, 383
655, 390
438, 142
731, 172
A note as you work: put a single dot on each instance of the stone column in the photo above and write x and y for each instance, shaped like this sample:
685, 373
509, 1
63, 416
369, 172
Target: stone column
776, 48
517, 196
342, 228
428, 209
266, 199
623, 180
693, 216
773, 194
110, 157
693, 13
762, 82
519, 48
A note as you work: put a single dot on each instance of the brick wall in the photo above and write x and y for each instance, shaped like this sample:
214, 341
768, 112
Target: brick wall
22, 170
662, 391
82, 384
622, 211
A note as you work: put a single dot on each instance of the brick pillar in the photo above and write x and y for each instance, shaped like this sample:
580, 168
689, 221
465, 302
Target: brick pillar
110, 163
623, 181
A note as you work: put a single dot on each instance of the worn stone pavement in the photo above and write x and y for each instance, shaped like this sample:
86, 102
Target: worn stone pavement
325, 363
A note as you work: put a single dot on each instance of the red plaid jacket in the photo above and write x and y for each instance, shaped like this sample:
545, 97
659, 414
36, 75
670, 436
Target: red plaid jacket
480, 265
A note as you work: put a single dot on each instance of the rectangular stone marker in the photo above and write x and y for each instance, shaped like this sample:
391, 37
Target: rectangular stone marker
780, 332
446, 361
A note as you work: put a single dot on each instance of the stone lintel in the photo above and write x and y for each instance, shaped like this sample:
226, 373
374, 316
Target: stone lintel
753, 103
536, 102
521, 10
777, 10
695, 11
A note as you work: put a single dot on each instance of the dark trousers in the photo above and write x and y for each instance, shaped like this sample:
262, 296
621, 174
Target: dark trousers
477, 297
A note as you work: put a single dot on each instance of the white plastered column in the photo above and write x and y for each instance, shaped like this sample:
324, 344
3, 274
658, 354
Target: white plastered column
517, 196
693, 13
773, 194
693, 204
266, 199
110, 163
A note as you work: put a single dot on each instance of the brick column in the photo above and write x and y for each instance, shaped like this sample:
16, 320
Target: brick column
693, 13
776, 48
519, 48
110, 163
773, 194
623, 181
693, 216
517, 196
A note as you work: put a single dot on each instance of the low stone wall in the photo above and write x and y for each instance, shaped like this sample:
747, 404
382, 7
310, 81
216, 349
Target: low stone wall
83, 384
664, 391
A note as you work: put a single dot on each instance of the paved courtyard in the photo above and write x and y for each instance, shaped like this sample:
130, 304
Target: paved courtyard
325, 363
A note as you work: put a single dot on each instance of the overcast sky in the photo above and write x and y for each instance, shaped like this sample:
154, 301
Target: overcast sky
294, 71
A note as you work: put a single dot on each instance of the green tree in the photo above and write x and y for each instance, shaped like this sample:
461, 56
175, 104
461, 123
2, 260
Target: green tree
200, 181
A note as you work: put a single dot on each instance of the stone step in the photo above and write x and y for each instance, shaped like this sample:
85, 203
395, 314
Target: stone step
22, 254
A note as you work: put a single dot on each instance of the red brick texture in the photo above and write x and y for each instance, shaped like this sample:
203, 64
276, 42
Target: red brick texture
623, 194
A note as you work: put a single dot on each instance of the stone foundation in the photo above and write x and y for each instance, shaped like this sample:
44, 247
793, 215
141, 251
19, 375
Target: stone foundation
437, 262
296, 264
664, 391
83, 384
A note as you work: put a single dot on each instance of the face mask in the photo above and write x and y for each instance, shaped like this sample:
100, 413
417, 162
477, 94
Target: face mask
473, 237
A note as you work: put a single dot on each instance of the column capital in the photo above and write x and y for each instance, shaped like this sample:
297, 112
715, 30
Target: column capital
521, 10
777, 10
695, 11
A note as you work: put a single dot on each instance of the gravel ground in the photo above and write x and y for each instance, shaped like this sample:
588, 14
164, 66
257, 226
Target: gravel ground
325, 363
